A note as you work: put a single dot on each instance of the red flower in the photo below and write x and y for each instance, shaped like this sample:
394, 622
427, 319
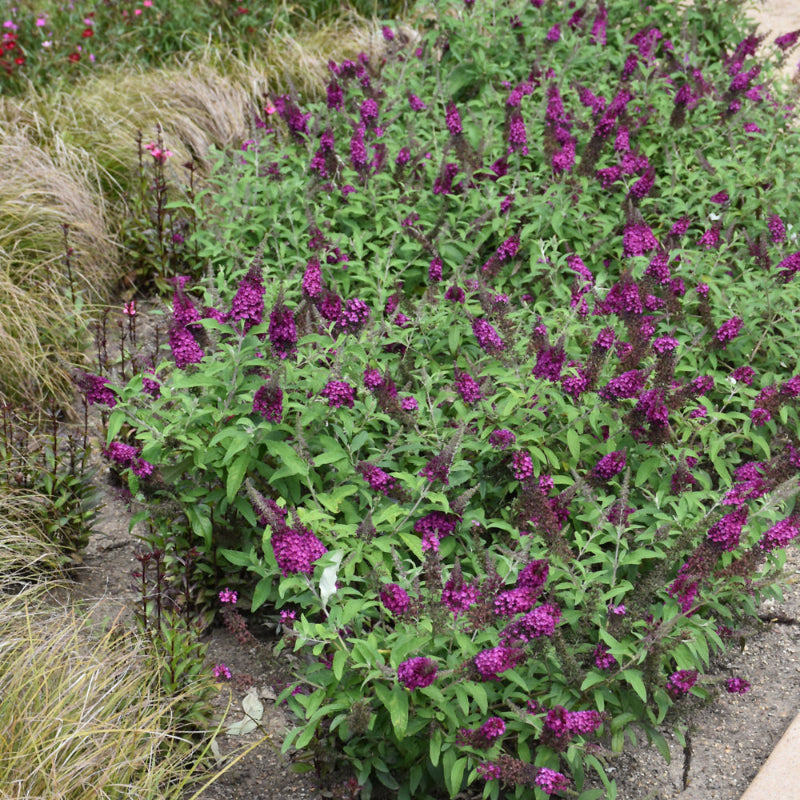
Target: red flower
74, 57
19, 60
87, 33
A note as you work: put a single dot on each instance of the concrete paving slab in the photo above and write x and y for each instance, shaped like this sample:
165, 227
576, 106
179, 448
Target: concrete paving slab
779, 778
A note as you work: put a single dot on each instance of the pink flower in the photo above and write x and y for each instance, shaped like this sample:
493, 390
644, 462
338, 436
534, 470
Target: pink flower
228, 596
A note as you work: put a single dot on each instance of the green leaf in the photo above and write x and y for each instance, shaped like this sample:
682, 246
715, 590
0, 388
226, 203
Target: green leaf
236, 475
339, 661
634, 678
573, 443
291, 463
115, 422
454, 339
661, 745
436, 746
479, 695
261, 593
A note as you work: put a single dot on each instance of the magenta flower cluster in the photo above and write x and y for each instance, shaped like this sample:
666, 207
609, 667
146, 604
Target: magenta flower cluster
417, 673
395, 599
338, 394
127, 456
268, 402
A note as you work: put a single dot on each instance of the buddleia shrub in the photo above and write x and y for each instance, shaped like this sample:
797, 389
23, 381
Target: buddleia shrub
490, 395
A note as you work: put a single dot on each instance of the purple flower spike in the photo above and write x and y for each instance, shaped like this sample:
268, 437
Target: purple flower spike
728, 331
737, 686
339, 393
395, 599
282, 330
248, 303
681, 682
487, 337
417, 673
609, 466
490, 663
453, 120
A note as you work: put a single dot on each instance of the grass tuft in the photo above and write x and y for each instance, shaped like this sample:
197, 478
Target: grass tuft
81, 717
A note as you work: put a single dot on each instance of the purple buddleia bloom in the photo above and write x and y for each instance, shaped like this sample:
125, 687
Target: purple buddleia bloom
296, 549
458, 595
643, 186
329, 305
358, 150
96, 389
622, 143
726, 532
185, 349
487, 337
409, 404
777, 230
453, 120
781, 533
501, 438
564, 159
608, 176
434, 526
435, 269
514, 601
151, 387
534, 576
338, 394
455, 294
789, 267
744, 374
378, 480
549, 362
312, 279
354, 315
335, 95
467, 387
282, 330
540, 621
609, 466
602, 658
665, 344
517, 135
415, 103
728, 331
629, 384
710, 239
369, 111
787, 40
183, 310
737, 686
554, 34
681, 682
638, 240
248, 302
417, 673
598, 32
395, 599
496, 660
268, 402
522, 465
492, 729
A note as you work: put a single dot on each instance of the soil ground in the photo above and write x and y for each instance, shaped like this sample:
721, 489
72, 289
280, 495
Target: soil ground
728, 742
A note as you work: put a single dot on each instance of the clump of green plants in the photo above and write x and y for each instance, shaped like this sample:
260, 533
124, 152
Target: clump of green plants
490, 395
45, 467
